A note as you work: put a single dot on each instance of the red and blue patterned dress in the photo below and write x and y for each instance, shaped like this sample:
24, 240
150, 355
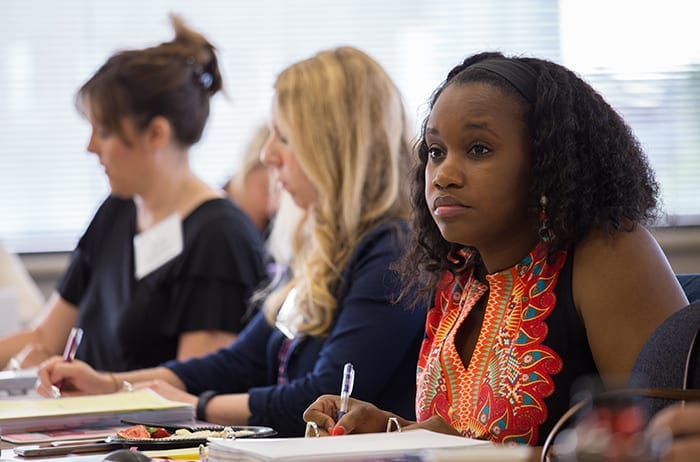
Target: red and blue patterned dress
530, 352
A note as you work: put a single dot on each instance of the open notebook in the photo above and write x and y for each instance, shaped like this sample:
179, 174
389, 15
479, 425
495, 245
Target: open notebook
411, 445
40, 414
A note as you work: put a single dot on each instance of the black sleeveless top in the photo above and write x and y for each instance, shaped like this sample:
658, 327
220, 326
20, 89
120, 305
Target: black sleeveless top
567, 336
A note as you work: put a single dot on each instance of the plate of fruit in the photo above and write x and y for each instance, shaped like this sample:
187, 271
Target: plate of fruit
180, 436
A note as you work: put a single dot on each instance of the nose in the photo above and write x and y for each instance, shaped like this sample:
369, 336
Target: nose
92, 145
446, 174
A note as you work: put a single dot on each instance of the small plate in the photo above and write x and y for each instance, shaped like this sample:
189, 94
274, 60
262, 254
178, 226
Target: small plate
184, 441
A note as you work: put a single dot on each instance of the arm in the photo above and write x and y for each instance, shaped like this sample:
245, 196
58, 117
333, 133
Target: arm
379, 338
232, 371
231, 409
360, 335
222, 266
623, 288
45, 338
199, 343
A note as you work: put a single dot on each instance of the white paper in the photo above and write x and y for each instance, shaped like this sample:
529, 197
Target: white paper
157, 245
329, 448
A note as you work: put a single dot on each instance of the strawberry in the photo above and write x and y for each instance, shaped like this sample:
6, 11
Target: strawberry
159, 432
134, 432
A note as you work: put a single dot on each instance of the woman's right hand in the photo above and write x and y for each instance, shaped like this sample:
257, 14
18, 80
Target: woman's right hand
362, 417
76, 378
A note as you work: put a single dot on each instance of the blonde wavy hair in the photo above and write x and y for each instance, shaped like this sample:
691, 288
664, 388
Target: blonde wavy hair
348, 128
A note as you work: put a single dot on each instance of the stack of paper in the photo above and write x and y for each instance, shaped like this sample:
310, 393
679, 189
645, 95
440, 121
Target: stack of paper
408, 445
28, 415
17, 382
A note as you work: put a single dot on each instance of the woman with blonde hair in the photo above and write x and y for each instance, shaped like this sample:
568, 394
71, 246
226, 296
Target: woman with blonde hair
339, 143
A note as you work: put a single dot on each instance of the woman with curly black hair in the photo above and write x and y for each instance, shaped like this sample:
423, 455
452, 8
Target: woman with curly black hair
531, 197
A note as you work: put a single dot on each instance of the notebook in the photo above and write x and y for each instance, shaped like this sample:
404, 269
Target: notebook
411, 445
41, 414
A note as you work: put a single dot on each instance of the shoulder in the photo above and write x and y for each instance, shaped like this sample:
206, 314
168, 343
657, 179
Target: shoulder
370, 267
219, 219
115, 218
620, 253
622, 264
112, 208
623, 288
388, 237
218, 209
380, 245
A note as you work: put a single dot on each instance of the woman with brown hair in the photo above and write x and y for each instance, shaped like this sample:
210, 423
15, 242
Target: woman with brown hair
167, 264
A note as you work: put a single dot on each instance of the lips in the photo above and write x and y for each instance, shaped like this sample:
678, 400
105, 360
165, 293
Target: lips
447, 201
447, 207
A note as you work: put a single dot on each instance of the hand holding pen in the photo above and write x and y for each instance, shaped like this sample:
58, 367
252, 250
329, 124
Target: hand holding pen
72, 344
345, 391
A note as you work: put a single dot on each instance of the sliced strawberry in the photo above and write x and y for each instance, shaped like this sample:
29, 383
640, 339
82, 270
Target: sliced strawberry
134, 432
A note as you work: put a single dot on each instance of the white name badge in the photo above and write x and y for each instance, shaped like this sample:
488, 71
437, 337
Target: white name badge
157, 245
288, 319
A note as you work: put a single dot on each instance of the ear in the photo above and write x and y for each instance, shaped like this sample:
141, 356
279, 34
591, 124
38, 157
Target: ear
158, 132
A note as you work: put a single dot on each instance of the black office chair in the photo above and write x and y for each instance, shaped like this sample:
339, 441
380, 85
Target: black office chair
671, 357
691, 286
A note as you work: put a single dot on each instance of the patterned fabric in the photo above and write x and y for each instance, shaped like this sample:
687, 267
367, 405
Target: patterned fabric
501, 395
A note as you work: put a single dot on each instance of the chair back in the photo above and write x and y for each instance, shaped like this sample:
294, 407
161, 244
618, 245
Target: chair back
691, 286
670, 358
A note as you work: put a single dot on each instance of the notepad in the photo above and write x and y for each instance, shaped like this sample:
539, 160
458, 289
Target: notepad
28, 415
346, 447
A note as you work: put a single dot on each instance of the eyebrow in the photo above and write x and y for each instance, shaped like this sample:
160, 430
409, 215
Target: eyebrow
467, 126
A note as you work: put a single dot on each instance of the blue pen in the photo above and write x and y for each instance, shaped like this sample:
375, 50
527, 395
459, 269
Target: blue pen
346, 388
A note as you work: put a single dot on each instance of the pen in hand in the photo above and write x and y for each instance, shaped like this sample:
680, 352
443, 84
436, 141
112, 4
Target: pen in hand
345, 391
74, 338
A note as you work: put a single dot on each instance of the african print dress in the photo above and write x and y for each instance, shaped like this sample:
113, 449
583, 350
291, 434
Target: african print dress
530, 351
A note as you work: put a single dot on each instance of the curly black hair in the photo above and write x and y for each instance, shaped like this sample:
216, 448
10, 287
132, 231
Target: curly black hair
585, 159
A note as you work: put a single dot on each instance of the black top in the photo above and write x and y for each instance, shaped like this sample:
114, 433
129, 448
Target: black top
567, 337
131, 324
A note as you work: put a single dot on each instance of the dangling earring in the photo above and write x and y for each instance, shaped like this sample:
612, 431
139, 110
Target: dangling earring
545, 232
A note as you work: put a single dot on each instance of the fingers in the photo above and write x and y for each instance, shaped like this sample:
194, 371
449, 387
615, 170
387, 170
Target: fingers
362, 417
323, 412
679, 420
684, 450
76, 377
677, 429
46, 376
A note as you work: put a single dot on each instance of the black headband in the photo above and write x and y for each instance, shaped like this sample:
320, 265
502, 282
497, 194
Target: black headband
517, 73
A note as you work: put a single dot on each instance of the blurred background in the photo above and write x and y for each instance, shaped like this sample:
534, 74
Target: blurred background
642, 56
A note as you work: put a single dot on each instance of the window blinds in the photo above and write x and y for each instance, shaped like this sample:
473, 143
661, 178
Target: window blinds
50, 186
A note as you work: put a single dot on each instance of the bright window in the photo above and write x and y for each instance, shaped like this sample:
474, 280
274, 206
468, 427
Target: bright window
642, 56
